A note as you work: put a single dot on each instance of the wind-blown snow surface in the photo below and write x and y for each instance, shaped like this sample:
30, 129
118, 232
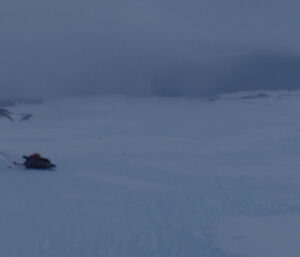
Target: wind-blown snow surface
154, 177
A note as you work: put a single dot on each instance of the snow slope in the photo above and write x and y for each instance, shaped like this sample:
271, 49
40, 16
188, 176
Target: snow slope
154, 177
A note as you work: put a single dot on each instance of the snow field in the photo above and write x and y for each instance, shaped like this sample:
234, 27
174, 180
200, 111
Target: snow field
154, 177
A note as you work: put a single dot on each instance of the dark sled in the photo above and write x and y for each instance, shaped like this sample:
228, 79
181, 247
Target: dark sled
38, 163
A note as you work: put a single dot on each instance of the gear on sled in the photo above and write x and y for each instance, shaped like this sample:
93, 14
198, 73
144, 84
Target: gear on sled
36, 161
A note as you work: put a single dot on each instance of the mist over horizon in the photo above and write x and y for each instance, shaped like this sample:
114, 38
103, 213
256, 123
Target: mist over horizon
162, 48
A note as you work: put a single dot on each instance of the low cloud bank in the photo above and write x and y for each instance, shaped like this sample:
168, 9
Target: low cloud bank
64, 48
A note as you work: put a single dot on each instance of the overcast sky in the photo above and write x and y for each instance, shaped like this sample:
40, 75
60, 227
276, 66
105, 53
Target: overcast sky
157, 47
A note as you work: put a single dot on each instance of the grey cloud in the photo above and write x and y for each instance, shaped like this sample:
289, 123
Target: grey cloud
169, 48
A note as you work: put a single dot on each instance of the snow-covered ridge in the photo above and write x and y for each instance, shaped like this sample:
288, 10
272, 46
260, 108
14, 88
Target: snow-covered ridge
253, 95
7, 103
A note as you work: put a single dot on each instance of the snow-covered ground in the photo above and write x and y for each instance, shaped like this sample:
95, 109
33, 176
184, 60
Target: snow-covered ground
154, 177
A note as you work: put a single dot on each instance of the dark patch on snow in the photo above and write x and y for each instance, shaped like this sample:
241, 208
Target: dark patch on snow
25, 116
4, 113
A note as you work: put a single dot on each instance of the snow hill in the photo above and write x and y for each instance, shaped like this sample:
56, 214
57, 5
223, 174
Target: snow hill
154, 177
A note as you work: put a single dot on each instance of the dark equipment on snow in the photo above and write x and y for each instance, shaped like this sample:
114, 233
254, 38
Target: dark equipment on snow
36, 161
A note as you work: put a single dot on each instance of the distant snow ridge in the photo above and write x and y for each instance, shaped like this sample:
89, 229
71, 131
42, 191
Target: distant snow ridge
256, 95
5, 103
13, 102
